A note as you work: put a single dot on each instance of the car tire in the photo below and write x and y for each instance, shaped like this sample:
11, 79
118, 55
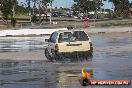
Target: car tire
85, 82
91, 53
47, 55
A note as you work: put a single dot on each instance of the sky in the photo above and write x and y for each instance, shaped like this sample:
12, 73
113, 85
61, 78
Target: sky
69, 3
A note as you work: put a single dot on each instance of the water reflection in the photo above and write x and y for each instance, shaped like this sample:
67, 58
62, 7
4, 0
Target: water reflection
70, 78
103, 40
73, 59
18, 44
26, 74
66, 72
8, 64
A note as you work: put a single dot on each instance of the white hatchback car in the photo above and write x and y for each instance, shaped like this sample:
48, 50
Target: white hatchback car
67, 43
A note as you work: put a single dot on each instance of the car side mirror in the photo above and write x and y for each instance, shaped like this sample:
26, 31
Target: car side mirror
46, 40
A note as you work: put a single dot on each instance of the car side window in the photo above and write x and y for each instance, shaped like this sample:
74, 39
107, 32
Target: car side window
53, 37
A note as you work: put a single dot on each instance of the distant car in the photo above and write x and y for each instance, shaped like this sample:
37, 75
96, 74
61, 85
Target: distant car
57, 14
76, 17
68, 15
48, 14
67, 43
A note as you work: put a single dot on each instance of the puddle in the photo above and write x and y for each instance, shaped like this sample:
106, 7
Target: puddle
8, 72
8, 64
71, 75
110, 41
73, 60
28, 80
18, 45
105, 64
99, 41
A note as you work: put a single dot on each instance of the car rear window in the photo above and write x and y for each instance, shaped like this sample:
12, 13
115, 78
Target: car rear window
80, 36
71, 37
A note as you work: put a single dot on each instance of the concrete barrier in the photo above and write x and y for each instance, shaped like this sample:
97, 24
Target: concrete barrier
29, 31
50, 31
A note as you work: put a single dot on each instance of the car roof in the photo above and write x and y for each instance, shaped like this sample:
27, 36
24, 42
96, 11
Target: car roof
61, 31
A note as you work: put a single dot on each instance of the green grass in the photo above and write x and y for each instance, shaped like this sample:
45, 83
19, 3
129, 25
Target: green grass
66, 23
116, 23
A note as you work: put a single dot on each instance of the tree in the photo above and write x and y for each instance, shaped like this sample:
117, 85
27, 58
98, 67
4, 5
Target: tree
28, 6
43, 5
85, 6
76, 0
121, 7
13, 20
7, 8
21, 10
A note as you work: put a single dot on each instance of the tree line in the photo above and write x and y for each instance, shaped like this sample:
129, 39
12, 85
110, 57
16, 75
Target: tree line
121, 7
9, 8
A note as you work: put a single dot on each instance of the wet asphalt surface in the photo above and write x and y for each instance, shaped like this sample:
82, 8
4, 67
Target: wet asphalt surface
112, 59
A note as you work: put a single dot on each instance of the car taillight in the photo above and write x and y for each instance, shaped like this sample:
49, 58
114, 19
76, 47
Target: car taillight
56, 46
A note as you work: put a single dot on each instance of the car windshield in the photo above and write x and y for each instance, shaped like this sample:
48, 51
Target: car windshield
72, 37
